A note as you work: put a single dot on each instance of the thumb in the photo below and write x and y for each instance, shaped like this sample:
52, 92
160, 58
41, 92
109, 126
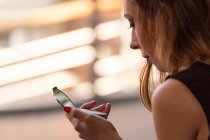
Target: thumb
78, 114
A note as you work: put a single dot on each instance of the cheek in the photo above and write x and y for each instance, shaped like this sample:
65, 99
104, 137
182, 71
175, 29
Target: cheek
146, 43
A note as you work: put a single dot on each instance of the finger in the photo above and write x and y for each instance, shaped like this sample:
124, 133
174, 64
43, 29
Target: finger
78, 114
75, 122
70, 118
77, 125
67, 109
99, 108
68, 112
80, 127
88, 105
104, 108
107, 109
76, 117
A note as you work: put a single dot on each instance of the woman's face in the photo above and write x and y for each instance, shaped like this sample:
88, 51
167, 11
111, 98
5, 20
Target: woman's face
140, 38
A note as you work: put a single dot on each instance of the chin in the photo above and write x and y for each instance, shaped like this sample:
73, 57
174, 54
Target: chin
161, 69
158, 67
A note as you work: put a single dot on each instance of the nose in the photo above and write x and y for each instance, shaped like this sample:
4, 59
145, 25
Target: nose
134, 41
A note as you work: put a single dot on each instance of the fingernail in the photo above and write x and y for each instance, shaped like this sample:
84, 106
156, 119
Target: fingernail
102, 105
67, 109
94, 101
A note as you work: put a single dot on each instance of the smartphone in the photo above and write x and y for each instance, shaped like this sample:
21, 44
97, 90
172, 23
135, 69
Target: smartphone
65, 101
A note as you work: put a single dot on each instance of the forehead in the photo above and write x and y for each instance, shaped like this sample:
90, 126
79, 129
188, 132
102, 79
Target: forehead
133, 2
130, 6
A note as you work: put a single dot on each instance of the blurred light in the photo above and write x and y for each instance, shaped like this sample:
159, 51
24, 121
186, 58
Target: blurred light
45, 16
109, 30
22, 4
36, 86
108, 85
109, 5
18, 36
117, 64
46, 46
82, 92
48, 64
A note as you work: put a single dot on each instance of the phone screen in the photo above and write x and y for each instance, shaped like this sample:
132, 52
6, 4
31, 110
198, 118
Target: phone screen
62, 98
65, 101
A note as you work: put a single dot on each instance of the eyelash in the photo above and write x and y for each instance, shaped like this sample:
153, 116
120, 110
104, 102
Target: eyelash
132, 25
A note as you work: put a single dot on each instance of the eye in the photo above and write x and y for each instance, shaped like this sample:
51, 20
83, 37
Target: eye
130, 21
132, 25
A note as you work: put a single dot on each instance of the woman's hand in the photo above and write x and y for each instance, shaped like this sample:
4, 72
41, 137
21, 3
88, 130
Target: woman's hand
105, 108
92, 127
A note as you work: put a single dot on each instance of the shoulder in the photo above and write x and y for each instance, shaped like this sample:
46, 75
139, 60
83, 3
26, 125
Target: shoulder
175, 93
172, 90
175, 108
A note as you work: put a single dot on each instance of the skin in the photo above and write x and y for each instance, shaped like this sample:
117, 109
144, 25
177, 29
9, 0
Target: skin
93, 127
143, 42
175, 109
176, 112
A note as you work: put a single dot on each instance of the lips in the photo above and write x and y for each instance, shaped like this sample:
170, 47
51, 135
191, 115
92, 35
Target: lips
145, 56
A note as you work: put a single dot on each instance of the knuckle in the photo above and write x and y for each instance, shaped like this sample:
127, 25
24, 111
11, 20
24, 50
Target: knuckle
89, 119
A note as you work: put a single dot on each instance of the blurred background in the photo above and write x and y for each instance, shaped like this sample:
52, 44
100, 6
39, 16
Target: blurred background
80, 46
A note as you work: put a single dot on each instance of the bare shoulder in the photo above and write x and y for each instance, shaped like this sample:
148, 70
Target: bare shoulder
172, 91
175, 108
173, 94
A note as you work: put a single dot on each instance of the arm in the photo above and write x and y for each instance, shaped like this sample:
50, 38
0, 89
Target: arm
176, 112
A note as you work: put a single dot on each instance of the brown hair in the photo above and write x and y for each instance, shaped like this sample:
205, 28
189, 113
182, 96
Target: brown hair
181, 36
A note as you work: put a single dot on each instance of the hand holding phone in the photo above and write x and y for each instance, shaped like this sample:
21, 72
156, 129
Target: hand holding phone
65, 101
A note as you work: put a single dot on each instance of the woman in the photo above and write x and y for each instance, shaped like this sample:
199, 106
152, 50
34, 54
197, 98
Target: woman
173, 36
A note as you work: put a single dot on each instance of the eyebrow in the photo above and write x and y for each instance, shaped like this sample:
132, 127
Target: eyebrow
127, 16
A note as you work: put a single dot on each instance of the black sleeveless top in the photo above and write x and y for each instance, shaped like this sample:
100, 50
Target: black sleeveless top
197, 79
